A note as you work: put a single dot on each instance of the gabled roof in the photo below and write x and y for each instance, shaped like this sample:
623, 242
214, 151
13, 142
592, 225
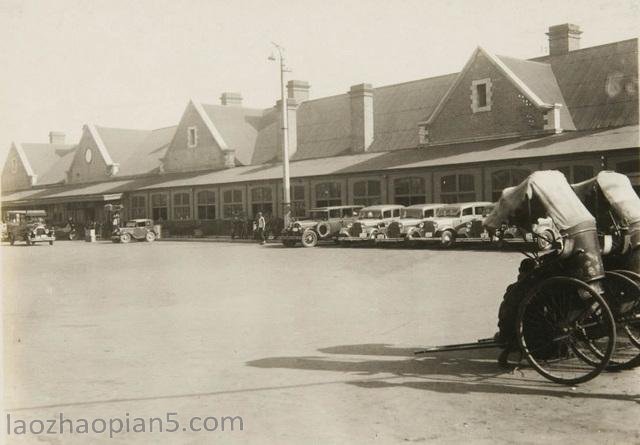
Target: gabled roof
146, 157
46, 161
599, 84
540, 79
57, 173
239, 128
121, 143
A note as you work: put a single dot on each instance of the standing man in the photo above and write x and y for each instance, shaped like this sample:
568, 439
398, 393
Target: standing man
287, 217
262, 224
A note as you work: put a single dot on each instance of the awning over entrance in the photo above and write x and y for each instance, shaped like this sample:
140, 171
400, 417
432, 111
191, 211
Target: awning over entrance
101, 192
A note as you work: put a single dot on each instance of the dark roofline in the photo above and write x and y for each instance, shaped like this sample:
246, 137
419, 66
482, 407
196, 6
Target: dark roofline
549, 56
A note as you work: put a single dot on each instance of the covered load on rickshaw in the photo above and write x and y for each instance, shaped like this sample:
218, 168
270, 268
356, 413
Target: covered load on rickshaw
610, 197
555, 314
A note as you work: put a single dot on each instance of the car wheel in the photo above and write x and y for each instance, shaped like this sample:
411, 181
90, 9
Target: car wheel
150, 237
447, 238
125, 238
309, 238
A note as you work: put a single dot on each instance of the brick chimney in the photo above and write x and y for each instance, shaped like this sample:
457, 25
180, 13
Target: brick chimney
56, 137
563, 38
298, 90
361, 97
231, 99
292, 126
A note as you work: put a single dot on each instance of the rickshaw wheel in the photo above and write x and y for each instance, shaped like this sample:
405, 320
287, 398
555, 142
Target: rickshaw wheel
560, 322
623, 296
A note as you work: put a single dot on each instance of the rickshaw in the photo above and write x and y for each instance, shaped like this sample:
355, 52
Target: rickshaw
610, 197
555, 315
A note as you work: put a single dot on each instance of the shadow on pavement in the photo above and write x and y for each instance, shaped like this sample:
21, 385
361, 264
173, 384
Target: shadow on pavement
459, 372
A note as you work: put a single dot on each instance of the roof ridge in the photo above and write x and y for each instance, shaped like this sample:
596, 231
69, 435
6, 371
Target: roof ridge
533, 59
98, 127
523, 60
415, 81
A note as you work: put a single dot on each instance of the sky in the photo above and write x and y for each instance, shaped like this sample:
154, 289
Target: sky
136, 64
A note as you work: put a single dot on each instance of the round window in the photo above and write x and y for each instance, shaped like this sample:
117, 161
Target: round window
88, 155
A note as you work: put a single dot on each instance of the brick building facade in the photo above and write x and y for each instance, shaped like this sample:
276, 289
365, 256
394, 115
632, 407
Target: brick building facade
451, 138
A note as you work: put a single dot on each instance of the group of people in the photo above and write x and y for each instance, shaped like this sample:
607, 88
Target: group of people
259, 228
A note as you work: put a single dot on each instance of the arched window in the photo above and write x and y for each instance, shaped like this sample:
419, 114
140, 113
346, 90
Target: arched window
502, 179
138, 207
232, 203
159, 207
409, 191
367, 192
181, 206
328, 194
206, 202
261, 200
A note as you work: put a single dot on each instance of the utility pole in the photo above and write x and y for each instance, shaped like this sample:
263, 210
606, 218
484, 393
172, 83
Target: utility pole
286, 182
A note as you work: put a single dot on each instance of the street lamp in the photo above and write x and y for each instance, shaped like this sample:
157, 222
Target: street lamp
286, 186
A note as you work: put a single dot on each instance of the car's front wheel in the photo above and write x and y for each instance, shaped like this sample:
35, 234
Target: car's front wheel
447, 238
125, 237
150, 237
309, 238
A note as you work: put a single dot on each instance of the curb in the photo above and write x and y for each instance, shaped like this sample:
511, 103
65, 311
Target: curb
216, 240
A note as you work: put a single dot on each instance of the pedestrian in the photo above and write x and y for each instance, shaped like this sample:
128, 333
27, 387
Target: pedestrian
262, 224
288, 217
235, 225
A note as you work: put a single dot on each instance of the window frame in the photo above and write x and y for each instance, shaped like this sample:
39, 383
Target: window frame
230, 208
475, 104
207, 207
414, 195
367, 198
331, 199
192, 142
155, 209
134, 210
262, 204
457, 194
181, 210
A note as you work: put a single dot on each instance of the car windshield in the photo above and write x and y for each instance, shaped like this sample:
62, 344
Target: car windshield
318, 215
412, 213
450, 211
370, 214
130, 224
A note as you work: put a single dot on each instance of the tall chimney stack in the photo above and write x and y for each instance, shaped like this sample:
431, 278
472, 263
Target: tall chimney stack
361, 97
563, 38
231, 99
298, 90
56, 137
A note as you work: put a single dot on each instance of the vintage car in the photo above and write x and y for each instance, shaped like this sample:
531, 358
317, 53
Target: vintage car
322, 223
410, 226
458, 221
138, 229
371, 223
29, 226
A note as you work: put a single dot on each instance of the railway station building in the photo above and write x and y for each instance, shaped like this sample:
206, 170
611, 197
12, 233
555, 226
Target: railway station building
456, 137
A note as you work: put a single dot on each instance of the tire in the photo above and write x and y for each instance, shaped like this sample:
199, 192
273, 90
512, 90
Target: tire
622, 293
324, 229
150, 237
125, 238
561, 321
447, 238
309, 238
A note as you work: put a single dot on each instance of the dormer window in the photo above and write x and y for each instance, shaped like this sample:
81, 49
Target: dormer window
481, 95
192, 137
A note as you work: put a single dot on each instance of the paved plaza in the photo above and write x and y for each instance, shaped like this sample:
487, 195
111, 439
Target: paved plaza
305, 345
